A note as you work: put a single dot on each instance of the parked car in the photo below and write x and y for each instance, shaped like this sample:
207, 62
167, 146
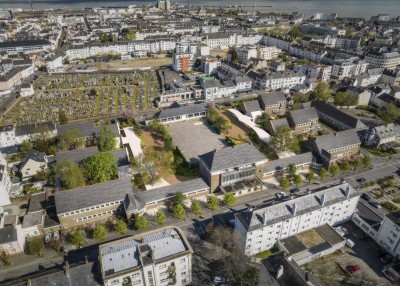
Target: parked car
280, 195
344, 230
389, 275
350, 243
380, 253
366, 197
56, 235
362, 180
386, 259
353, 268
375, 204
295, 190
47, 237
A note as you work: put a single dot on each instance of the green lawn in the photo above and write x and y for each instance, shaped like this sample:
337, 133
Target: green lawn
265, 253
389, 206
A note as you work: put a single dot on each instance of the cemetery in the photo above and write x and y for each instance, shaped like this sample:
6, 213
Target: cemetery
85, 96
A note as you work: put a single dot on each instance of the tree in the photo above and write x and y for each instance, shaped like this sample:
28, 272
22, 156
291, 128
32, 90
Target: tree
160, 217
25, 148
356, 164
346, 99
101, 167
334, 170
100, 232
322, 91
71, 176
128, 115
72, 138
212, 203
106, 140
93, 92
195, 207
62, 117
297, 180
179, 212
345, 166
390, 115
283, 140
295, 32
322, 173
141, 222
35, 246
284, 183
310, 176
178, 199
229, 199
235, 56
292, 170
120, 227
366, 161
77, 238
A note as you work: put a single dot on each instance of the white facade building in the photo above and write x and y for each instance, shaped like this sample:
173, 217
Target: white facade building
317, 72
5, 183
161, 257
348, 67
388, 60
259, 230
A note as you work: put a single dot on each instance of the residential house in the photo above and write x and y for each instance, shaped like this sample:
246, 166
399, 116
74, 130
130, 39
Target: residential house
181, 113
34, 162
391, 76
12, 240
380, 135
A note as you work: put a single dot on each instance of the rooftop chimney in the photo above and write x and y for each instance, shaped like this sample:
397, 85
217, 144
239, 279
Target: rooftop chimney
279, 271
264, 218
347, 191
322, 200
294, 209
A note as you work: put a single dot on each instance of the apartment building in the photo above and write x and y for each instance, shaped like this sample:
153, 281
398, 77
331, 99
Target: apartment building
333, 147
277, 80
160, 257
348, 67
273, 103
389, 233
309, 28
382, 59
391, 77
315, 72
260, 229
5, 183
209, 64
227, 168
25, 46
183, 62
14, 77
54, 63
282, 43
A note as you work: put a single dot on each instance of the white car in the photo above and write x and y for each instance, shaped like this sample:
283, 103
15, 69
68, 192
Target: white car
280, 195
219, 279
56, 235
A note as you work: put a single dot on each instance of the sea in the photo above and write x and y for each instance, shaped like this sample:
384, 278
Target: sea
344, 8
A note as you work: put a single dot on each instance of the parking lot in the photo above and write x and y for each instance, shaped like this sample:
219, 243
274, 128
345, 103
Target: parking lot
362, 254
194, 138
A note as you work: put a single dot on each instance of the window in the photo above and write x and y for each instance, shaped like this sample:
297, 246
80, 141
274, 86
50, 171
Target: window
182, 260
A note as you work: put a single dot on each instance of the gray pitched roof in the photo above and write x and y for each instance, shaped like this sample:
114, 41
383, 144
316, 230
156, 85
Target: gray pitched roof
93, 195
88, 128
23, 43
183, 110
34, 128
230, 157
301, 116
272, 98
336, 114
251, 106
339, 139
282, 122
79, 155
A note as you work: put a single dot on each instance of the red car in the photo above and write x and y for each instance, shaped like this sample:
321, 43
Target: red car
353, 268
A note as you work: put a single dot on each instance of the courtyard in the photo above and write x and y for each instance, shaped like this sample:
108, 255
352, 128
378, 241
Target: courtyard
195, 138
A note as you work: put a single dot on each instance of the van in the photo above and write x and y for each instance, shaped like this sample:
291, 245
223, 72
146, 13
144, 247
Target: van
349, 243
